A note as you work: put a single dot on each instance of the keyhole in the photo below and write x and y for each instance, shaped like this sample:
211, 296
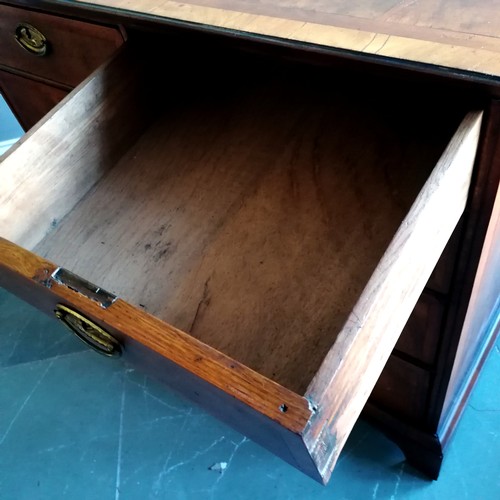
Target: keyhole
31, 39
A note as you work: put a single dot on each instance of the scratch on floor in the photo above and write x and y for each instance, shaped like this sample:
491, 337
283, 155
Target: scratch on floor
145, 393
54, 345
230, 459
194, 457
14, 347
228, 463
484, 410
25, 402
149, 423
167, 470
120, 441
163, 403
398, 481
52, 449
164, 470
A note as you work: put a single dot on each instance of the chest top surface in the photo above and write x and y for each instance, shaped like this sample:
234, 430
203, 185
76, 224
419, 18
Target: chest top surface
461, 35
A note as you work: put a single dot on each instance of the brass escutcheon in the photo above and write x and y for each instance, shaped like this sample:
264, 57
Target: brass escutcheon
88, 332
30, 39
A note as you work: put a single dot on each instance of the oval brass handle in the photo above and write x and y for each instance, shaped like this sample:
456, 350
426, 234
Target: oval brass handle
30, 39
88, 332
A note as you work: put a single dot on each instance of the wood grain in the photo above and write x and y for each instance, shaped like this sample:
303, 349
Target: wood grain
375, 323
483, 313
450, 34
443, 414
67, 152
446, 407
243, 217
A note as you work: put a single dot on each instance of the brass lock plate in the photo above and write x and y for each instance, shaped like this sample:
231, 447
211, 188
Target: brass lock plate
31, 39
88, 332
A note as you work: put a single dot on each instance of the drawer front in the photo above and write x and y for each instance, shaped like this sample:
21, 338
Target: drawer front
73, 48
42, 99
420, 335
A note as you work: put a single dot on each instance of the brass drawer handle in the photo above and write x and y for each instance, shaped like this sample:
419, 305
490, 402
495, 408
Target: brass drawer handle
88, 332
30, 39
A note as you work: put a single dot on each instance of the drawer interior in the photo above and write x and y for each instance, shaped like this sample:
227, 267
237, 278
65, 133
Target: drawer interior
254, 203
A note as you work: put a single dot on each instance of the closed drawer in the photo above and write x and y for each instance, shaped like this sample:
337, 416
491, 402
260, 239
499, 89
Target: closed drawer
402, 390
440, 279
29, 99
73, 49
421, 333
267, 236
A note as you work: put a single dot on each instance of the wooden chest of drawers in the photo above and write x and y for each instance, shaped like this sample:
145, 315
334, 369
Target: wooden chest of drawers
269, 221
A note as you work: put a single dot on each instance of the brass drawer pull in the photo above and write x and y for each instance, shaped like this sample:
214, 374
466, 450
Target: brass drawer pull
88, 332
30, 39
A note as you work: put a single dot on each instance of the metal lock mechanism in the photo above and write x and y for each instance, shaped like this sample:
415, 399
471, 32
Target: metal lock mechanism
31, 40
88, 332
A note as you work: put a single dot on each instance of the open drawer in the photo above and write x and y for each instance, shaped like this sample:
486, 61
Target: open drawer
267, 234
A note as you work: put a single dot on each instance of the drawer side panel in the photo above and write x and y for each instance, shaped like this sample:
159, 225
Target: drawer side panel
345, 380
